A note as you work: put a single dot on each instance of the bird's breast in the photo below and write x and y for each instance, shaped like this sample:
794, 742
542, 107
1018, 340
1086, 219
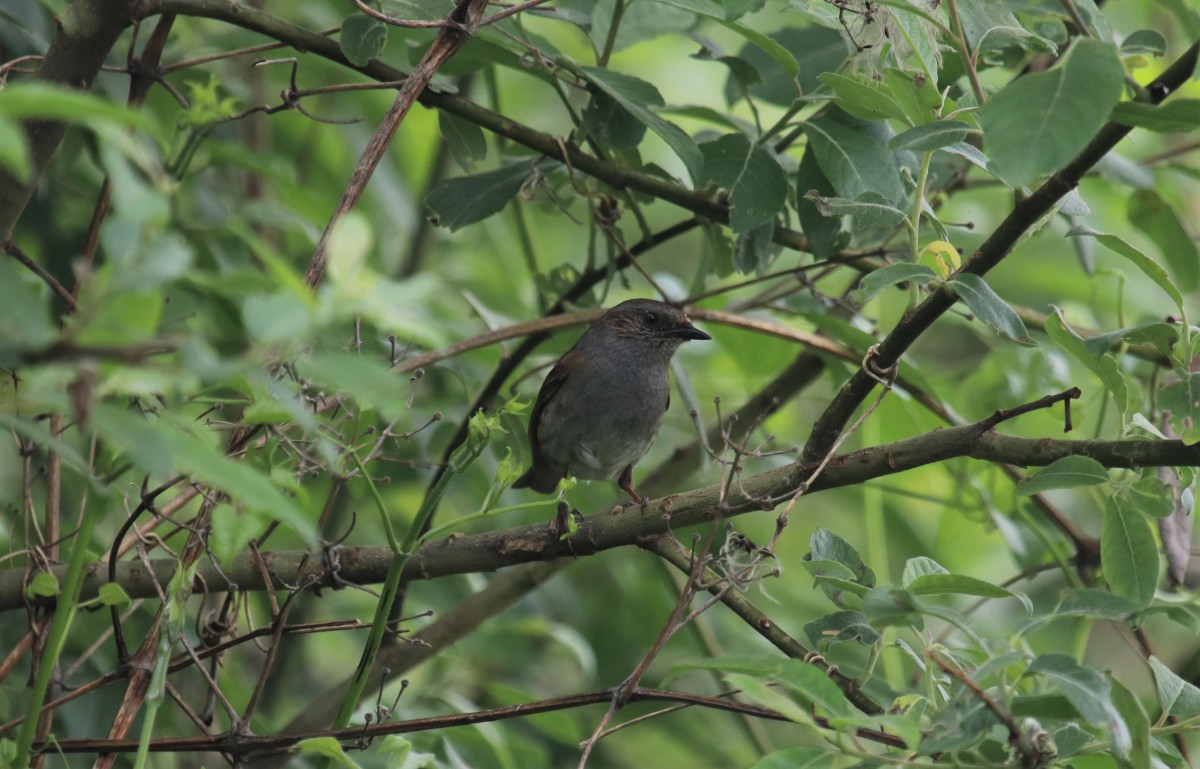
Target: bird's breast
606, 422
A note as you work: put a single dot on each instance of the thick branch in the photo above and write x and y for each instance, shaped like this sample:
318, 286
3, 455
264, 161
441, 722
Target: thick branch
603, 531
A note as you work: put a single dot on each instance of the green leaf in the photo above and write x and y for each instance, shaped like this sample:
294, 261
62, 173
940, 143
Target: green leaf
988, 307
800, 758
971, 154
815, 687
1151, 214
916, 96
893, 607
1150, 268
920, 567
759, 693
1176, 696
778, 53
1128, 552
639, 98
1175, 116
464, 200
753, 251
958, 584
43, 585
1162, 336
837, 580
43, 101
414, 10
853, 156
131, 434
112, 594
841, 626
1088, 691
24, 318
362, 38
1150, 496
922, 39
1070, 739
1065, 473
36, 431
823, 232
878, 280
863, 97
232, 531
160, 448
397, 749
325, 747
989, 26
1089, 602
759, 667
247, 486
611, 124
278, 317
1038, 122
925, 576
1103, 366
1144, 41
757, 184
368, 379
14, 148
1134, 717
814, 49
827, 546
464, 138
639, 21
870, 210
931, 136
1182, 400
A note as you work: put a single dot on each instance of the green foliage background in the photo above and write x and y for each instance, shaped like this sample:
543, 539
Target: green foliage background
765, 163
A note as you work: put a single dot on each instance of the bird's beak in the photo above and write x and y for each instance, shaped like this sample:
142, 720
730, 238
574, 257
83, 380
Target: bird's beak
688, 331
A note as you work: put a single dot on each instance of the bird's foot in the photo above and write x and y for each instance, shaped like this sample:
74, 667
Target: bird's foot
565, 522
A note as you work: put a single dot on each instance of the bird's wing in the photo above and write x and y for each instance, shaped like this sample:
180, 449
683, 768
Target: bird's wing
552, 384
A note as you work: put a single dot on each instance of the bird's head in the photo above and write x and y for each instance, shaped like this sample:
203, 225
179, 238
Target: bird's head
651, 321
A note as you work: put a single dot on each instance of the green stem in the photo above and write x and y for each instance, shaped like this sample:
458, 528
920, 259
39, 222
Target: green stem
1061, 559
875, 525
403, 550
611, 40
960, 40
437, 531
914, 224
60, 627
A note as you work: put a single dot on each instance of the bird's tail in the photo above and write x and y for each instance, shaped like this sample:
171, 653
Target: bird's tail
542, 483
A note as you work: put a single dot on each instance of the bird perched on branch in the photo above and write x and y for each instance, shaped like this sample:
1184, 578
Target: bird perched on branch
601, 405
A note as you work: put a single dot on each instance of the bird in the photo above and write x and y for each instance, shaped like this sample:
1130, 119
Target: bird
600, 407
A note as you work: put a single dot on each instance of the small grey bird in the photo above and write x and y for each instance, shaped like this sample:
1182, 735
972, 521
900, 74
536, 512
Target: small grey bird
601, 405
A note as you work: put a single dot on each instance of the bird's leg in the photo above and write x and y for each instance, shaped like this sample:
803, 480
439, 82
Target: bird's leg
625, 483
561, 524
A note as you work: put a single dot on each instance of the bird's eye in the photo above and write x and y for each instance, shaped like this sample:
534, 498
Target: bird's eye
652, 318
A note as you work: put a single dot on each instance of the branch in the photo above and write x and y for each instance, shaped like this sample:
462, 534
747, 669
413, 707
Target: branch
1003, 239
604, 531
243, 744
87, 31
617, 176
458, 28
396, 659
